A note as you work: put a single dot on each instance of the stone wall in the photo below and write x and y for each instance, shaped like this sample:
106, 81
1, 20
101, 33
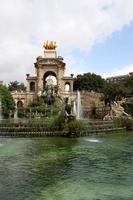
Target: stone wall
96, 112
91, 99
25, 97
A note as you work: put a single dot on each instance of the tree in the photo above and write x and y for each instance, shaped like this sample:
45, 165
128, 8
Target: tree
112, 92
128, 86
89, 82
15, 85
8, 104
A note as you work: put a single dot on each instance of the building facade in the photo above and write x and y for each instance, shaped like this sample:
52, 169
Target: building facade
116, 79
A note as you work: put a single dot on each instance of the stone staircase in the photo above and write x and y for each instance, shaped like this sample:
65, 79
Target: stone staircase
100, 126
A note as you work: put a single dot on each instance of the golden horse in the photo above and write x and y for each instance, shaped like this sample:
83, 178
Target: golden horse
50, 45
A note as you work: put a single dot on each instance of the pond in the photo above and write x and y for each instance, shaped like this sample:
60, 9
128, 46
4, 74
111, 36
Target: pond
88, 168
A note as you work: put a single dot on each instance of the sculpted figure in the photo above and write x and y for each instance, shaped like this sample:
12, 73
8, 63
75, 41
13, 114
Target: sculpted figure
50, 45
116, 111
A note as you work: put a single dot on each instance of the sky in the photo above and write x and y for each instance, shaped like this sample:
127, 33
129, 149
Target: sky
92, 35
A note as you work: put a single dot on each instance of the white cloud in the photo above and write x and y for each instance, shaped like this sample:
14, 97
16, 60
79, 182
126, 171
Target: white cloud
25, 24
120, 71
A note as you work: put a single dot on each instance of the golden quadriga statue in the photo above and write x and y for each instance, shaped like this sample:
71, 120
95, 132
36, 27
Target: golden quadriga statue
50, 45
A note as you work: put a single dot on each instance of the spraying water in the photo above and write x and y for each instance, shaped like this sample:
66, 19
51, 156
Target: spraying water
74, 109
93, 140
16, 113
0, 110
79, 106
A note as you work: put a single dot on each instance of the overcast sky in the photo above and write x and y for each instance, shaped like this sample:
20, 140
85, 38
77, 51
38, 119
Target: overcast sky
92, 35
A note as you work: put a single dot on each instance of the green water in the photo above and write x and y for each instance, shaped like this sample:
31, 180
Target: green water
90, 168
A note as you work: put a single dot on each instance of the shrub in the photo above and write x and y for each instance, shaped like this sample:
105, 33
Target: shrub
68, 108
8, 104
75, 127
117, 122
128, 107
124, 122
57, 123
21, 112
128, 123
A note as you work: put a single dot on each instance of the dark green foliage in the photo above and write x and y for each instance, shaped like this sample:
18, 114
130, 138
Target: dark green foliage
68, 108
8, 104
89, 82
39, 106
128, 123
128, 86
57, 123
112, 92
124, 122
48, 96
128, 107
16, 86
115, 91
123, 88
74, 127
21, 112
38, 103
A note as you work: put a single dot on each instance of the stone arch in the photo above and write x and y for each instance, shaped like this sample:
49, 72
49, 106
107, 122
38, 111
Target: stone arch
19, 104
67, 87
47, 75
32, 86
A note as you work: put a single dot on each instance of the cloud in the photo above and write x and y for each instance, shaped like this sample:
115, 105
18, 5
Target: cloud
76, 24
120, 71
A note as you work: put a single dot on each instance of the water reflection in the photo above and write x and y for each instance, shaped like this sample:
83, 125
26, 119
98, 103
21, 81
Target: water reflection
93, 140
59, 168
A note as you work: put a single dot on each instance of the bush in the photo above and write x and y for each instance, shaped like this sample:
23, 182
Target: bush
75, 127
124, 122
21, 112
68, 108
57, 123
128, 107
8, 104
128, 123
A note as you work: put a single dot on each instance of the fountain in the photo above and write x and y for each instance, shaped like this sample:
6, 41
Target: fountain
74, 109
79, 106
0, 110
16, 113
117, 111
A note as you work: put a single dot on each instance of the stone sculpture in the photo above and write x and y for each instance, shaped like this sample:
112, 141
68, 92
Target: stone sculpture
116, 111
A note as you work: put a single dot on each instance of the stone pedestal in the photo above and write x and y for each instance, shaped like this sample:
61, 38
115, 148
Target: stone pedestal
50, 54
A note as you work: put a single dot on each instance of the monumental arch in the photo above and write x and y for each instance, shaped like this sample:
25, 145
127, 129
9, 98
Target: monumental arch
46, 66
51, 65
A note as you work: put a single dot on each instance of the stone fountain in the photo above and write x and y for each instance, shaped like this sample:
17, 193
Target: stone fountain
16, 113
77, 106
116, 111
0, 110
